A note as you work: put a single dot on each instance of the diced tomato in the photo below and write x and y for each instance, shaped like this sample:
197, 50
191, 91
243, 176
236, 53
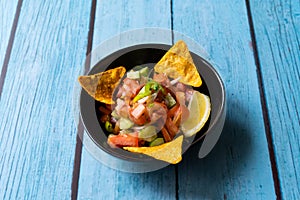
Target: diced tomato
188, 94
120, 92
123, 140
180, 97
177, 118
104, 118
166, 135
181, 87
104, 110
179, 113
139, 115
110, 107
142, 120
185, 113
120, 104
171, 127
132, 85
158, 110
121, 108
173, 110
138, 111
123, 111
162, 79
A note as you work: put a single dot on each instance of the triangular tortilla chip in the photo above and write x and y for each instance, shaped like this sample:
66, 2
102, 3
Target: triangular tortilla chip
102, 85
169, 152
178, 63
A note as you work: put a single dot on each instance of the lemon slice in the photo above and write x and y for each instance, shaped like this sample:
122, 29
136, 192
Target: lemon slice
199, 108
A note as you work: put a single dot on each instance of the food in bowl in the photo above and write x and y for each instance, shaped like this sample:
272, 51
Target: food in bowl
150, 112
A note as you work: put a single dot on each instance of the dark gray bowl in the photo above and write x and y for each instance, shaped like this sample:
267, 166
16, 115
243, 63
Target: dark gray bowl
139, 55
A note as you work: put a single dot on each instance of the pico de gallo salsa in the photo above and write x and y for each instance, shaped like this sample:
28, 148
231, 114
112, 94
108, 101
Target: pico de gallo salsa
148, 110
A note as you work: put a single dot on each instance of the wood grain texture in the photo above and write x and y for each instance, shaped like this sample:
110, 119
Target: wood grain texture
239, 166
38, 135
8, 9
277, 32
96, 180
114, 17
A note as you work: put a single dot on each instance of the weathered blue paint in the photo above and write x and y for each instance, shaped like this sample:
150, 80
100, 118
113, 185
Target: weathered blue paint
8, 9
277, 32
37, 133
239, 166
38, 136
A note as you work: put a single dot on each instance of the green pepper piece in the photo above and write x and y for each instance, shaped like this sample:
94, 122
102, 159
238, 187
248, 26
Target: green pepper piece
108, 126
156, 142
170, 101
154, 86
147, 90
143, 93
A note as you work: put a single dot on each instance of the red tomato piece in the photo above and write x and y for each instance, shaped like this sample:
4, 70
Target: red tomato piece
138, 111
123, 140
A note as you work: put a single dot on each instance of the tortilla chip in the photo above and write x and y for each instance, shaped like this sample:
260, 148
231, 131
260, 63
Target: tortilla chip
178, 63
102, 85
169, 152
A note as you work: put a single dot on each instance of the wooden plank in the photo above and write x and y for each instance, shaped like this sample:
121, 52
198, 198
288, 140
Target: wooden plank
38, 135
8, 9
277, 32
114, 17
239, 166
96, 180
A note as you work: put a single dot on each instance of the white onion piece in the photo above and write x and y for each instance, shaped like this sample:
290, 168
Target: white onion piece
173, 82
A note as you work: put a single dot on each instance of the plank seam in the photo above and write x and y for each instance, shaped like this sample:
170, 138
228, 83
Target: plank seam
80, 129
176, 183
265, 112
10, 45
172, 21
176, 166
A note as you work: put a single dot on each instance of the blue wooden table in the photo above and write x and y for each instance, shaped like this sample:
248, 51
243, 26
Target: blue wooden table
256, 45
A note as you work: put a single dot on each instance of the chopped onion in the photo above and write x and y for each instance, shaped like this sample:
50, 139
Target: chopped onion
137, 128
173, 82
143, 100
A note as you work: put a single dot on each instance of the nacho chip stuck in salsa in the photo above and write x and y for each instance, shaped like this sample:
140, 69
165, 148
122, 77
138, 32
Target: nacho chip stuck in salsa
102, 85
178, 63
169, 152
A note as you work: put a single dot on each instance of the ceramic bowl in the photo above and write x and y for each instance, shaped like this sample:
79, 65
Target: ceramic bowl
95, 137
